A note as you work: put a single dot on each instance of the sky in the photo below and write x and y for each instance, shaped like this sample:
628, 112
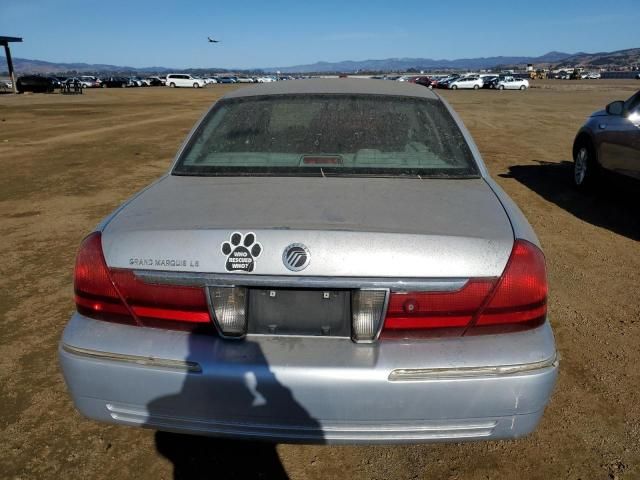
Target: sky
274, 33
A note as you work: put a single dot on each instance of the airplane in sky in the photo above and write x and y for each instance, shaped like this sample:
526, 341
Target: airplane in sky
211, 40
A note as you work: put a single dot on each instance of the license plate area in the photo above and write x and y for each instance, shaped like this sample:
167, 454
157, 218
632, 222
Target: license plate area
310, 312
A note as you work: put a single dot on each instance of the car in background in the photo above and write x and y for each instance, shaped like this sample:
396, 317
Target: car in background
227, 79
325, 306
638, 76
114, 82
591, 76
470, 82
56, 83
6, 85
265, 79
89, 81
210, 80
609, 141
155, 81
35, 84
421, 80
444, 82
512, 83
243, 79
184, 80
490, 81
83, 81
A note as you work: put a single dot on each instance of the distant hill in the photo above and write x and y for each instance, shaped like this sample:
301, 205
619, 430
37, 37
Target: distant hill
23, 65
403, 64
556, 59
618, 58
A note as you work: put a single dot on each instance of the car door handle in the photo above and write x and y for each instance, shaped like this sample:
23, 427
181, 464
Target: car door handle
602, 126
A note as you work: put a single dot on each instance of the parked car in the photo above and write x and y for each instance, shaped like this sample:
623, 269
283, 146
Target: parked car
474, 82
184, 80
421, 80
227, 79
114, 82
490, 82
56, 83
89, 81
325, 306
155, 82
210, 80
266, 79
444, 82
609, 141
35, 84
242, 79
84, 82
512, 83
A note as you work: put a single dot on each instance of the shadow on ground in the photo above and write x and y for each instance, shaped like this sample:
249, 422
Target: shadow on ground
196, 457
614, 205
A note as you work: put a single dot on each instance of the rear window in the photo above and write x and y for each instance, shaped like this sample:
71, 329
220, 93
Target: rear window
328, 135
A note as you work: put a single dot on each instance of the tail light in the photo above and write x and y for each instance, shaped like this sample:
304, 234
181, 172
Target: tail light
118, 295
518, 297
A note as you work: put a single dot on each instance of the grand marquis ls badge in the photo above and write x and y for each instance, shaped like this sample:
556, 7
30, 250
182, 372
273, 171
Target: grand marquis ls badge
296, 257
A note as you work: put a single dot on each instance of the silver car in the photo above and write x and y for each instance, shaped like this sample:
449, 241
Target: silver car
609, 142
327, 261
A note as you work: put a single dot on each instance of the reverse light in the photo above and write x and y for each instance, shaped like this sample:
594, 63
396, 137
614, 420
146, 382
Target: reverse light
230, 310
367, 309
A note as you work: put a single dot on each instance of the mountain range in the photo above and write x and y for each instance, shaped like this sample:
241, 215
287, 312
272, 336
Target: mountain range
560, 59
402, 64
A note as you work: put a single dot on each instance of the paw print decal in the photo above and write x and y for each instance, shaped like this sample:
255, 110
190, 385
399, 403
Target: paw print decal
241, 251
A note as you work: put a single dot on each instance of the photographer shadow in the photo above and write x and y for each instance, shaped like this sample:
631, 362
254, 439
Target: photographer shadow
246, 394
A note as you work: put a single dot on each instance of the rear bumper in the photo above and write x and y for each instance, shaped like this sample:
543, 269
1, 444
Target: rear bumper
322, 390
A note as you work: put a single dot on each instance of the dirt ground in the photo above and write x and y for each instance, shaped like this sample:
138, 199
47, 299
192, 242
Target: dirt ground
66, 161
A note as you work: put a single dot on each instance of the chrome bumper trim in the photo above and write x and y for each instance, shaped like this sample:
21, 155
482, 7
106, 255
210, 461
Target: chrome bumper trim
418, 374
299, 281
182, 365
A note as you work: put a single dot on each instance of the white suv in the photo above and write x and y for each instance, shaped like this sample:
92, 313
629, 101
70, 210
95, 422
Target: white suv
184, 80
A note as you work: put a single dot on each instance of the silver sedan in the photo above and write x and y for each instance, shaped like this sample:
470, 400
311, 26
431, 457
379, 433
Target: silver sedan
327, 261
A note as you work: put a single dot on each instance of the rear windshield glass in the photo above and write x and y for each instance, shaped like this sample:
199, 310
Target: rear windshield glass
328, 135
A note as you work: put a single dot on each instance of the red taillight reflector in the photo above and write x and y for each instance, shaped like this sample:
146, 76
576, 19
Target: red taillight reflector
163, 302
518, 297
95, 294
423, 310
118, 295
521, 293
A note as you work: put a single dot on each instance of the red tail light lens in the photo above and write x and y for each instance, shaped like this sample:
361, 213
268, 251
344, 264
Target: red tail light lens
118, 295
518, 297
155, 305
422, 310
95, 293
521, 293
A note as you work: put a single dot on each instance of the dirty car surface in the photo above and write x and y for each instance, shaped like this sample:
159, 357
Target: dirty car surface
326, 261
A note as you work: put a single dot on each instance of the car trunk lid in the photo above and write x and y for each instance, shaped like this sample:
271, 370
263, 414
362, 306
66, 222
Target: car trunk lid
350, 227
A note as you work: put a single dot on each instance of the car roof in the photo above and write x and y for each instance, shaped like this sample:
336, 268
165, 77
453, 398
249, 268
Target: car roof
335, 86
